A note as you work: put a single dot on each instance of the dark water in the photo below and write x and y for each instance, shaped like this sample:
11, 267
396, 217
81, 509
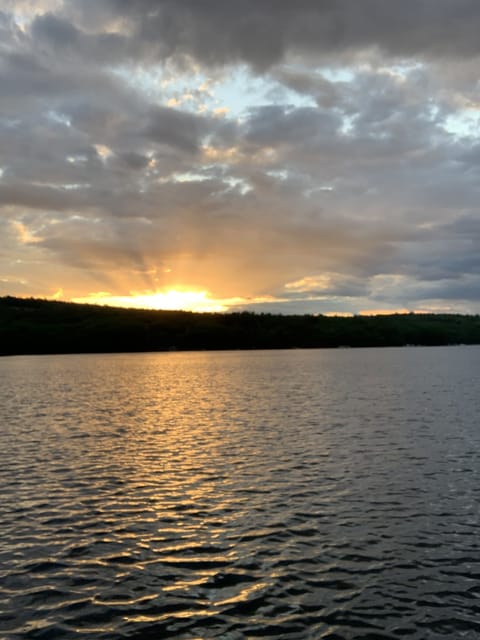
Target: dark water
287, 494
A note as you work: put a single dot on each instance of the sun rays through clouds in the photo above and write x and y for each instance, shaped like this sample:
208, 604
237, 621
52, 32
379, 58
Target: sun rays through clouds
276, 156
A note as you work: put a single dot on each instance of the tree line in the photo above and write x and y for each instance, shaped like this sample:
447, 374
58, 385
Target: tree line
34, 326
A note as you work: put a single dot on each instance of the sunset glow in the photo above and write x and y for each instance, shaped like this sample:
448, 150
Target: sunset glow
172, 299
146, 160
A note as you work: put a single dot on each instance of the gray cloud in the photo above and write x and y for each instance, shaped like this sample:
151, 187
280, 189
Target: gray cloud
275, 125
35, 197
356, 162
263, 33
175, 128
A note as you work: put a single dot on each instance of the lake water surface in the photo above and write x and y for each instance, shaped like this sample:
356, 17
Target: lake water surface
240, 495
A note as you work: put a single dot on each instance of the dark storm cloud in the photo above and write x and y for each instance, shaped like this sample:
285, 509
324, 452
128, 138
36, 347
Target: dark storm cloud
36, 197
31, 83
133, 160
175, 128
275, 125
23, 76
262, 32
59, 36
57, 31
325, 93
463, 289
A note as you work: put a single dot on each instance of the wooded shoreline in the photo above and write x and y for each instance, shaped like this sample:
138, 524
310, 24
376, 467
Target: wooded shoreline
35, 326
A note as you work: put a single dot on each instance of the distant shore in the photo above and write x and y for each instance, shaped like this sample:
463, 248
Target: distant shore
34, 326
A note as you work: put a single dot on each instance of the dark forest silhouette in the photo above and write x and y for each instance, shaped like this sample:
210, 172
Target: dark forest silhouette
33, 326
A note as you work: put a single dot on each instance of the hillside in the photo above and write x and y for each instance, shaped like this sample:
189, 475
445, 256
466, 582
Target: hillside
33, 326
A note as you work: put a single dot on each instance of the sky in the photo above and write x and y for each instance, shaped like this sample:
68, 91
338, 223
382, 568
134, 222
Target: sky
316, 156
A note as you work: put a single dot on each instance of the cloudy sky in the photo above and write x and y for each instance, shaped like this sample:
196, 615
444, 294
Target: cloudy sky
316, 156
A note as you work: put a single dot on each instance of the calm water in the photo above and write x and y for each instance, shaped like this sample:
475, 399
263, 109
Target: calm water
286, 494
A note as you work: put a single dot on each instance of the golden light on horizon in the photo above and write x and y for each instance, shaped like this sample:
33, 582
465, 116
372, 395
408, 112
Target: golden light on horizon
178, 299
386, 312
175, 299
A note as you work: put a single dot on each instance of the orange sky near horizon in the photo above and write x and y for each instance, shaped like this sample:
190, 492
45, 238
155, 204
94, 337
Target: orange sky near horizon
147, 162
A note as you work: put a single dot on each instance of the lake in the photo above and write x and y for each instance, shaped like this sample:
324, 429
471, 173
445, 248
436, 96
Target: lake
295, 494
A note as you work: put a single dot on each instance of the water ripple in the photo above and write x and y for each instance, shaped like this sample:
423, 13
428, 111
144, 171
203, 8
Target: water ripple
296, 495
